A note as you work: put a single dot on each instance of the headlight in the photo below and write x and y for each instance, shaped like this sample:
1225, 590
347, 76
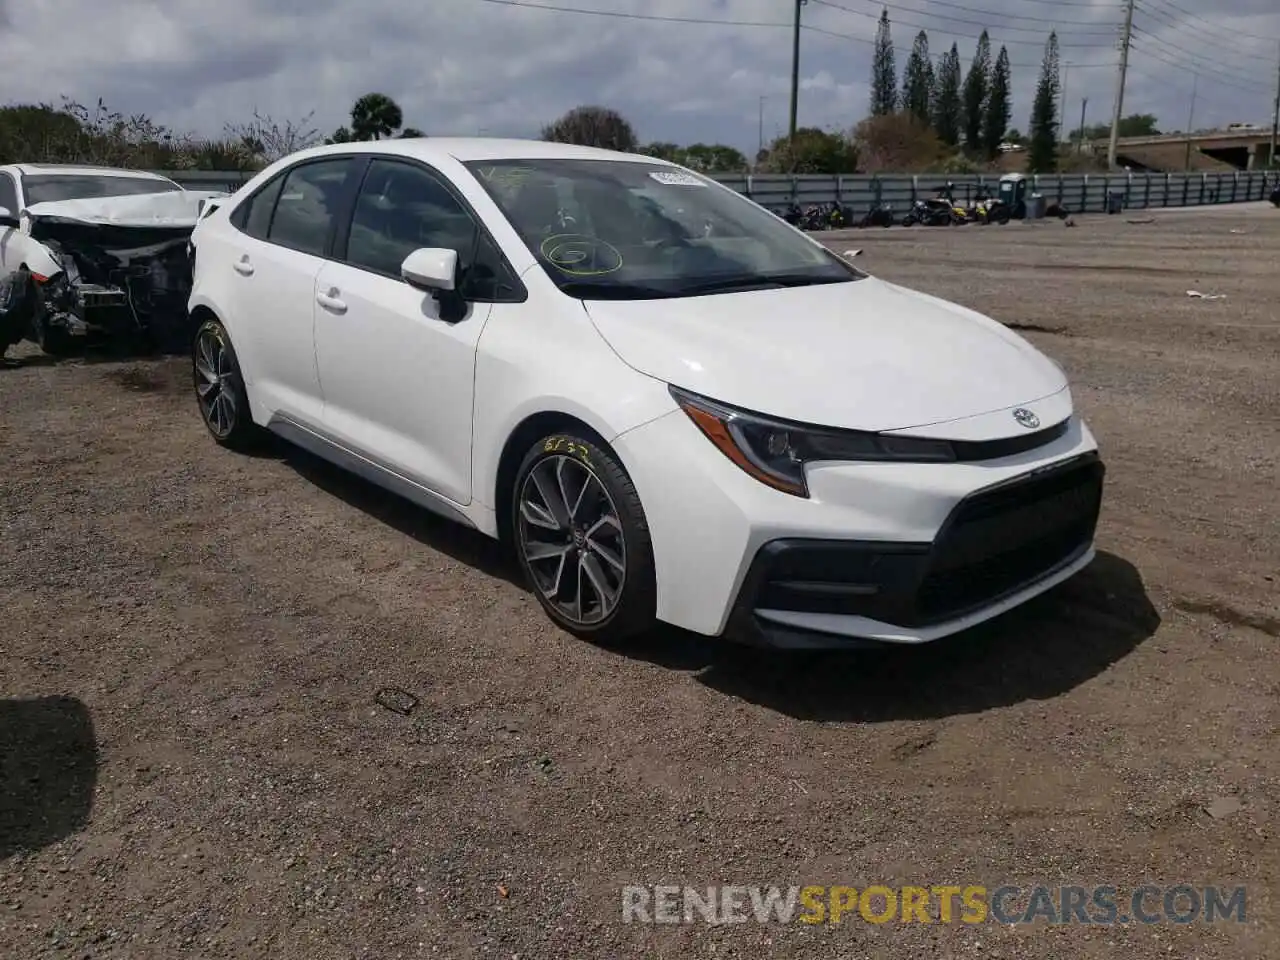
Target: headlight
775, 451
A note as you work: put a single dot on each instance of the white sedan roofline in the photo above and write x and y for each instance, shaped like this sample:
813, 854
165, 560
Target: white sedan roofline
465, 149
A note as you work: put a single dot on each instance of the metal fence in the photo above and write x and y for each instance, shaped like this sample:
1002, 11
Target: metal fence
1078, 193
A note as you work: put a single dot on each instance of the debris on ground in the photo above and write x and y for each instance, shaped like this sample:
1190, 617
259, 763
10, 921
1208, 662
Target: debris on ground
1197, 295
1223, 807
1142, 220
396, 700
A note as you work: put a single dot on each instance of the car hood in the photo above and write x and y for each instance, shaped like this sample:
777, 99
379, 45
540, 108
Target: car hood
173, 208
865, 355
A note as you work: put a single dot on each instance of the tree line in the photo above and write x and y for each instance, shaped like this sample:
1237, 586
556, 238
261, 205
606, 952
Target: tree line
967, 111
937, 119
71, 132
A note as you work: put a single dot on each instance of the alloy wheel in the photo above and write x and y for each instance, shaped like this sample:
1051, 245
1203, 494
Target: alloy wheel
215, 389
571, 539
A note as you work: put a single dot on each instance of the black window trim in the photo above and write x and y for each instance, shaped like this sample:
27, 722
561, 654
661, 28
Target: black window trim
341, 211
17, 193
519, 293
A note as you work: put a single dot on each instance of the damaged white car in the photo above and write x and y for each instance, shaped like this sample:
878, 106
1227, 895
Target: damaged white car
89, 252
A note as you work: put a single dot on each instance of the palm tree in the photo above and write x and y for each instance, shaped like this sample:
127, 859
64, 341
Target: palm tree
375, 115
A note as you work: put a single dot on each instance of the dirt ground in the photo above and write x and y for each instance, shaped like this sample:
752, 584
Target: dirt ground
195, 764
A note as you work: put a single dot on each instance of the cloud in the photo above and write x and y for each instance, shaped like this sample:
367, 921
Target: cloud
470, 66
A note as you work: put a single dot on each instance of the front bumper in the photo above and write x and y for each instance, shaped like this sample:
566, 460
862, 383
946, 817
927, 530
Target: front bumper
998, 548
880, 553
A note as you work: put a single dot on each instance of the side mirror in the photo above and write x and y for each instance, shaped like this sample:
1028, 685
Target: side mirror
7, 219
434, 269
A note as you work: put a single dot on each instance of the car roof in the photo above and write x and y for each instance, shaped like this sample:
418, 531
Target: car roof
77, 170
434, 149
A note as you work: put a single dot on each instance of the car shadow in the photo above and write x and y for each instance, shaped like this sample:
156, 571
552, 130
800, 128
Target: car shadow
48, 771
124, 350
453, 539
1041, 650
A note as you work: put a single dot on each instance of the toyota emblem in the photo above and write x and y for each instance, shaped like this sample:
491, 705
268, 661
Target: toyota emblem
1026, 418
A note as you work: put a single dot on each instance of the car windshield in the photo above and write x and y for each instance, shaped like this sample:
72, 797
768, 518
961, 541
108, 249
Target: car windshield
46, 189
622, 229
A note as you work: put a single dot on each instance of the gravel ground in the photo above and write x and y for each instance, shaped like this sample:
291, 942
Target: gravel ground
194, 762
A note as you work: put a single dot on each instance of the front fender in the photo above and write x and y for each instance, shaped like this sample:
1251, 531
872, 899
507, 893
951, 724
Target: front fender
38, 258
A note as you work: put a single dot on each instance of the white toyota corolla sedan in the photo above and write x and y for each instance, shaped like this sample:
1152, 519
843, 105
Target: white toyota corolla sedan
673, 405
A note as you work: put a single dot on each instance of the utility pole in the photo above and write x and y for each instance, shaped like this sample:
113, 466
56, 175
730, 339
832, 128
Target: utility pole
1062, 103
1080, 140
1125, 38
795, 70
760, 150
1275, 123
1191, 116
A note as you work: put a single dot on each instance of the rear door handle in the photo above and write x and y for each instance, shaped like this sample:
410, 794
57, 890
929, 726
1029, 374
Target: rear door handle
331, 302
243, 266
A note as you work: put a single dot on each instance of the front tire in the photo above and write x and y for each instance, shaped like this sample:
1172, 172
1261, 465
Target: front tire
219, 388
582, 539
52, 341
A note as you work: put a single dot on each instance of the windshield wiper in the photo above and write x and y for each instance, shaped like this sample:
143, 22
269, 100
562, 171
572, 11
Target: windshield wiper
602, 290
756, 281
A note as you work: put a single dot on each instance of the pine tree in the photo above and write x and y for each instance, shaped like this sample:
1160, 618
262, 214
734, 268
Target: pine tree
946, 98
917, 81
884, 74
1042, 153
999, 109
976, 85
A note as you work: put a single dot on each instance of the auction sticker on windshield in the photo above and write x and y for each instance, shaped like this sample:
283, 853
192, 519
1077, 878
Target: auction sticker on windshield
675, 179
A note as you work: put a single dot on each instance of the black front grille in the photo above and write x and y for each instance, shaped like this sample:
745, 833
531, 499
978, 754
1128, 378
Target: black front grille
994, 543
1003, 538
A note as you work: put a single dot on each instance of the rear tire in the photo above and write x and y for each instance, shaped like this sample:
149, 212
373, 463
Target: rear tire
582, 540
219, 388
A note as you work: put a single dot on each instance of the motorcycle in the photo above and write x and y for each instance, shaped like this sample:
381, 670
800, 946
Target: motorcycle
934, 212
959, 212
989, 209
792, 214
826, 216
877, 216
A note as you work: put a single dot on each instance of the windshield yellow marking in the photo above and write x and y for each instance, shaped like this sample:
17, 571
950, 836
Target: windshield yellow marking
581, 256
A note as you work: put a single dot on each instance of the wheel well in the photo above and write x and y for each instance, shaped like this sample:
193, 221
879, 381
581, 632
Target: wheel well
198, 317
528, 432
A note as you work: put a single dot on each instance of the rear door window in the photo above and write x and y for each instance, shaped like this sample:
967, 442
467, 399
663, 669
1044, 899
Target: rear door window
308, 203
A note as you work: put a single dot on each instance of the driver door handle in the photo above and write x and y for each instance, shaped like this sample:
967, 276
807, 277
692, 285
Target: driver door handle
331, 302
243, 266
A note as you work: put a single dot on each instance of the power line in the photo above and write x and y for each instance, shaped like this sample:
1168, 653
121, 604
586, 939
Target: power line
1201, 95
633, 16
1199, 64
834, 34
1211, 27
991, 14
935, 57
967, 36
1228, 47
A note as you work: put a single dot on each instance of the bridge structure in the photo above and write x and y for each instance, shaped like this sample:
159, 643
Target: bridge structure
1212, 151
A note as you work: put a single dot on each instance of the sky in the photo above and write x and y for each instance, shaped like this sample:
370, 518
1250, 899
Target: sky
503, 67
